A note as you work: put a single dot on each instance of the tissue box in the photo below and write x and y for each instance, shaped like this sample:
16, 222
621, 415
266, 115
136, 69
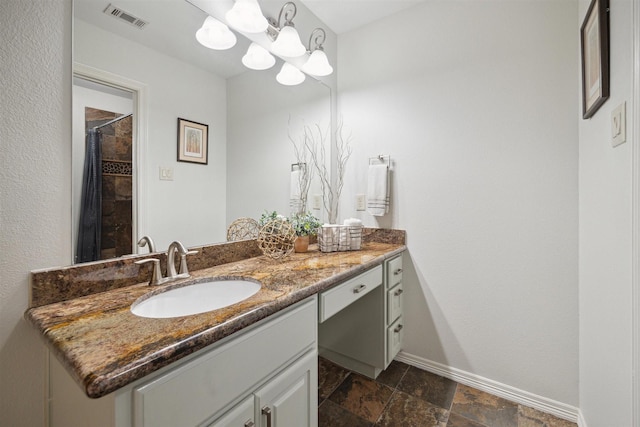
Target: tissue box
334, 238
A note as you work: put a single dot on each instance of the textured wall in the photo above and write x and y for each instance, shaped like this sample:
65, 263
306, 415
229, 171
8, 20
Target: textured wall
35, 136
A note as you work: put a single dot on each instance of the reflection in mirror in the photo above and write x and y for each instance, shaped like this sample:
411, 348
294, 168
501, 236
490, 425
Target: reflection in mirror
249, 116
104, 166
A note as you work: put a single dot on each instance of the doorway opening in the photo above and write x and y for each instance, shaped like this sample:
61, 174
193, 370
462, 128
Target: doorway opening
107, 107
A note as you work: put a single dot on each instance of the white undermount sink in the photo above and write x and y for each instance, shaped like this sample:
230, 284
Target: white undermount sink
196, 298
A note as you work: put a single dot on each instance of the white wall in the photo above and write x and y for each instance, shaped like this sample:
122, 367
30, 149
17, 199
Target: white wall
605, 242
191, 208
476, 104
35, 177
262, 115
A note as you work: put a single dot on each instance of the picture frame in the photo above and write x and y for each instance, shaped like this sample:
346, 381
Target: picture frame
193, 142
594, 41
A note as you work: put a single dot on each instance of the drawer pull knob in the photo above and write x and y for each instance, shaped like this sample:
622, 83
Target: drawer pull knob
249, 423
359, 289
398, 271
398, 328
267, 411
398, 292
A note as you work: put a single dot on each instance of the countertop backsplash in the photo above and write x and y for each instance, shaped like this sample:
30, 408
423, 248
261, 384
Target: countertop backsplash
57, 284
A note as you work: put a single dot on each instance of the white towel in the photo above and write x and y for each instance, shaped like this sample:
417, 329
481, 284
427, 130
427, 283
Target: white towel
295, 204
378, 190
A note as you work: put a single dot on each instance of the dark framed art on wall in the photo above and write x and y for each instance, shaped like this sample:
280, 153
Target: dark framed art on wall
594, 41
193, 142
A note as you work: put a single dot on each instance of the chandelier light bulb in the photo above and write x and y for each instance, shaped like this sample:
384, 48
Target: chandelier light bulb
258, 58
318, 64
246, 16
288, 43
290, 75
215, 35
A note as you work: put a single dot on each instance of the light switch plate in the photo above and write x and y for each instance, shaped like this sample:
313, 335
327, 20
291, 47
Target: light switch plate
317, 201
166, 174
361, 204
619, 125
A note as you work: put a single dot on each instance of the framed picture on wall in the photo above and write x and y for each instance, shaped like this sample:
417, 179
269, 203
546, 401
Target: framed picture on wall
193, 142
594, 38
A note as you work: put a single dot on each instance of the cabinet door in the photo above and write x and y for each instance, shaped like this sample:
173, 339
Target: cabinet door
291, 398
240, 416
394, 339
394, 303
394, 271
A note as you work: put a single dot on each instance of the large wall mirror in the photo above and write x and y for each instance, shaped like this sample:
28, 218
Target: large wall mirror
143, 78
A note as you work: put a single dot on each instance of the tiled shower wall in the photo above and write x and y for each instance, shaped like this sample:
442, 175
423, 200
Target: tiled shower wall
117, 182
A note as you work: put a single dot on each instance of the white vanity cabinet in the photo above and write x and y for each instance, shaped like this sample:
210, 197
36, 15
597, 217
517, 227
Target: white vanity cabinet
265, 375
286, 400
393, 301
270, 366
360, 321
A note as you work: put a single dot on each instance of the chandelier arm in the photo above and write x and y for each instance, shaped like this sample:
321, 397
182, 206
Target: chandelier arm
289, 14
317, 41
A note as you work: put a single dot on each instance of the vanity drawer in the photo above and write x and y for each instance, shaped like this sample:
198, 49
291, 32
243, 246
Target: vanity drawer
394, 271
335, 299
394, 303
395, 332
194, 391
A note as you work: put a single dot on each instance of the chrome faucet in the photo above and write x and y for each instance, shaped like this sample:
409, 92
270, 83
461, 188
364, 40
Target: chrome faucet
156, 276
171, 264
146, 241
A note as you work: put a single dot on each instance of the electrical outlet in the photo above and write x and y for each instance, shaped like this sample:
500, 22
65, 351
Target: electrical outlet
166, 174
317, 201
361, 204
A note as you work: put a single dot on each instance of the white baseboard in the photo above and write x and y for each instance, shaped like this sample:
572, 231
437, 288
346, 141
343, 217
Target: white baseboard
549, 406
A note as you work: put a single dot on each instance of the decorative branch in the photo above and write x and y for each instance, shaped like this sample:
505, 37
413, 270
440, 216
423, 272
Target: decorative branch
343, 152
315, 143
306, 172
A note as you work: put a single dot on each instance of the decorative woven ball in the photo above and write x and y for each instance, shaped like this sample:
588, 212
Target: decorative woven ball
243, 229
276, 238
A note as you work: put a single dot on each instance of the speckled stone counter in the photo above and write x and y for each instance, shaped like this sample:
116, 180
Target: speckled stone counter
104, 346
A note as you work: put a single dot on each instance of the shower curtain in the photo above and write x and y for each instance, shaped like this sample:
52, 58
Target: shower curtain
89, 231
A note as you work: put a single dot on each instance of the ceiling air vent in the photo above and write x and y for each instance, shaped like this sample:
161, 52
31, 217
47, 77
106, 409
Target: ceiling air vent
116, 12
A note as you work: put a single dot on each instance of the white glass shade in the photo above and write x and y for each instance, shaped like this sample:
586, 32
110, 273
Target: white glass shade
246, 16
290, 75
317, 64
215, 35
258, 58
288, 43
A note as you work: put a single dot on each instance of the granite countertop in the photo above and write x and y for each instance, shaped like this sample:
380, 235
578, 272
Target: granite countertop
105, 347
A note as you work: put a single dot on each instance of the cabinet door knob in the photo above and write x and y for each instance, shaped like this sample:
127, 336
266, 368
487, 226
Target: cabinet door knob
249, 423
398, 292
359, 289
267, 411
398, 271
398, 328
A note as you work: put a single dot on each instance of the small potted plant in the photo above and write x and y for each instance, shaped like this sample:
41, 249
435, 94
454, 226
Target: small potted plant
305, 225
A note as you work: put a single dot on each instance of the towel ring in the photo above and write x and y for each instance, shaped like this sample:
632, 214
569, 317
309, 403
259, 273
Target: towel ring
382, 158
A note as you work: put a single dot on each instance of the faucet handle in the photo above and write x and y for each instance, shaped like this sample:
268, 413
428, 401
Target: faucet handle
184, 270
147, 241
156, 274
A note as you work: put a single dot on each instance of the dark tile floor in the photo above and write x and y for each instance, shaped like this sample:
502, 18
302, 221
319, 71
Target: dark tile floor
405, 396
